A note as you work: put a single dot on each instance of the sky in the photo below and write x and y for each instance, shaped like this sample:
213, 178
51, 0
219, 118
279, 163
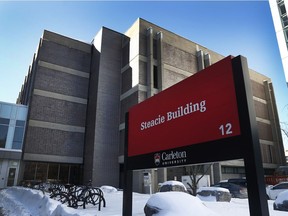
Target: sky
226, 27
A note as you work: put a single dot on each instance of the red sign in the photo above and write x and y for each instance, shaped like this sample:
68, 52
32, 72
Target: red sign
199, 109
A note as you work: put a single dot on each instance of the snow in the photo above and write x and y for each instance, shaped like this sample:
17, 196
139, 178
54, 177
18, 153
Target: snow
212, 189
171, 182
169, 201
19, 201
282, 197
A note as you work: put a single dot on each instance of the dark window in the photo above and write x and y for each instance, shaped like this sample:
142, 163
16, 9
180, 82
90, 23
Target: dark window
155, 53
233, 170
282, 9
4, 121
155, 77
41, 173
30, 171
281, 186
18, 138
286, 34
53, 171
3, 135
64, 173
20, 123
284, 21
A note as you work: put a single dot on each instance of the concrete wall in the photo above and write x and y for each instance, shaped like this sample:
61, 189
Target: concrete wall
106, 137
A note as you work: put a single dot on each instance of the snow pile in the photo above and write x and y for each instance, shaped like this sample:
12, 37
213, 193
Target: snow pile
178, 203
108, 189
30, 202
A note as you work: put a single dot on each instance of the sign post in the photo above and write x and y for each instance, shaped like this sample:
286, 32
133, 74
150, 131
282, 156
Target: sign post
252, 157
207, 117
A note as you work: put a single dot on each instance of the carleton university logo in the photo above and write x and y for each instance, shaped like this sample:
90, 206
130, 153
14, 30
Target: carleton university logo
157, 158
170, 158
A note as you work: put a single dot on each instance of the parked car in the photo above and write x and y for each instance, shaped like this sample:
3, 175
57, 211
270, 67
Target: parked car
239, 181
173, 186
273, 191
236, 191
281, 202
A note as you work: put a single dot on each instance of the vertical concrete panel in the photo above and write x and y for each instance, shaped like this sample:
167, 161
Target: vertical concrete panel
106, 139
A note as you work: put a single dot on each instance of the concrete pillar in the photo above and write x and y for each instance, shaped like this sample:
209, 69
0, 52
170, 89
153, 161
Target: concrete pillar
149, 62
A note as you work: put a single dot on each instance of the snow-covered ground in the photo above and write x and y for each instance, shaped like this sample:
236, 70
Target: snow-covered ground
20, 201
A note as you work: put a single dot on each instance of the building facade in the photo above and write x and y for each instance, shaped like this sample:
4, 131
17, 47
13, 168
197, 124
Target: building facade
12, 127
280, 20
78, 94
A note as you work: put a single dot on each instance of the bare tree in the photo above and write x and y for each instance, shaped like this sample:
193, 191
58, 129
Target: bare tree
196, 173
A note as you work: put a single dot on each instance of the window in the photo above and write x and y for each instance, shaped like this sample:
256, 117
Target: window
282, 9
18, 135
155, 53
155, 77
53, 171
18, 138
5, 110
30, 171
284, 21
233, 170
3, 135
4, 121
281, 186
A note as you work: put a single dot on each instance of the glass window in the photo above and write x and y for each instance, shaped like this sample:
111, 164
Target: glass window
41, 173
5, 111
18, 138
4, 121
281, 186
285, 21
53, 171
64, 173
282, 9
155, 49
3, 135
155, 77
22, 113
30, 169
286, 34
75, 174
20, 123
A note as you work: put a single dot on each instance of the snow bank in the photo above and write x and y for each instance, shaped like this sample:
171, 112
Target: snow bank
27, 202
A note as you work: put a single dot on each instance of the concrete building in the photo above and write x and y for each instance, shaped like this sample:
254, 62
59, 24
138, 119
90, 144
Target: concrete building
280, 20
12, 128
78, 94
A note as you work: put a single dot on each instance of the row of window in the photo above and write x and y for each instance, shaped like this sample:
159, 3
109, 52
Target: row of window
233, 170
11, 136
43, 172
284, 18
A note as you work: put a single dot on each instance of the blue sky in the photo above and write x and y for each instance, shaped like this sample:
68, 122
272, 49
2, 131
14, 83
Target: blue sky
227, 27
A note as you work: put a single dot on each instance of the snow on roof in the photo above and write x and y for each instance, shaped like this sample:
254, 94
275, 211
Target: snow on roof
172, 182
212, 189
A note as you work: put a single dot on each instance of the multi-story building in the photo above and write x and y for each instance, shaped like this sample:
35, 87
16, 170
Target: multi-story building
78, 94
280, 19
12, 128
